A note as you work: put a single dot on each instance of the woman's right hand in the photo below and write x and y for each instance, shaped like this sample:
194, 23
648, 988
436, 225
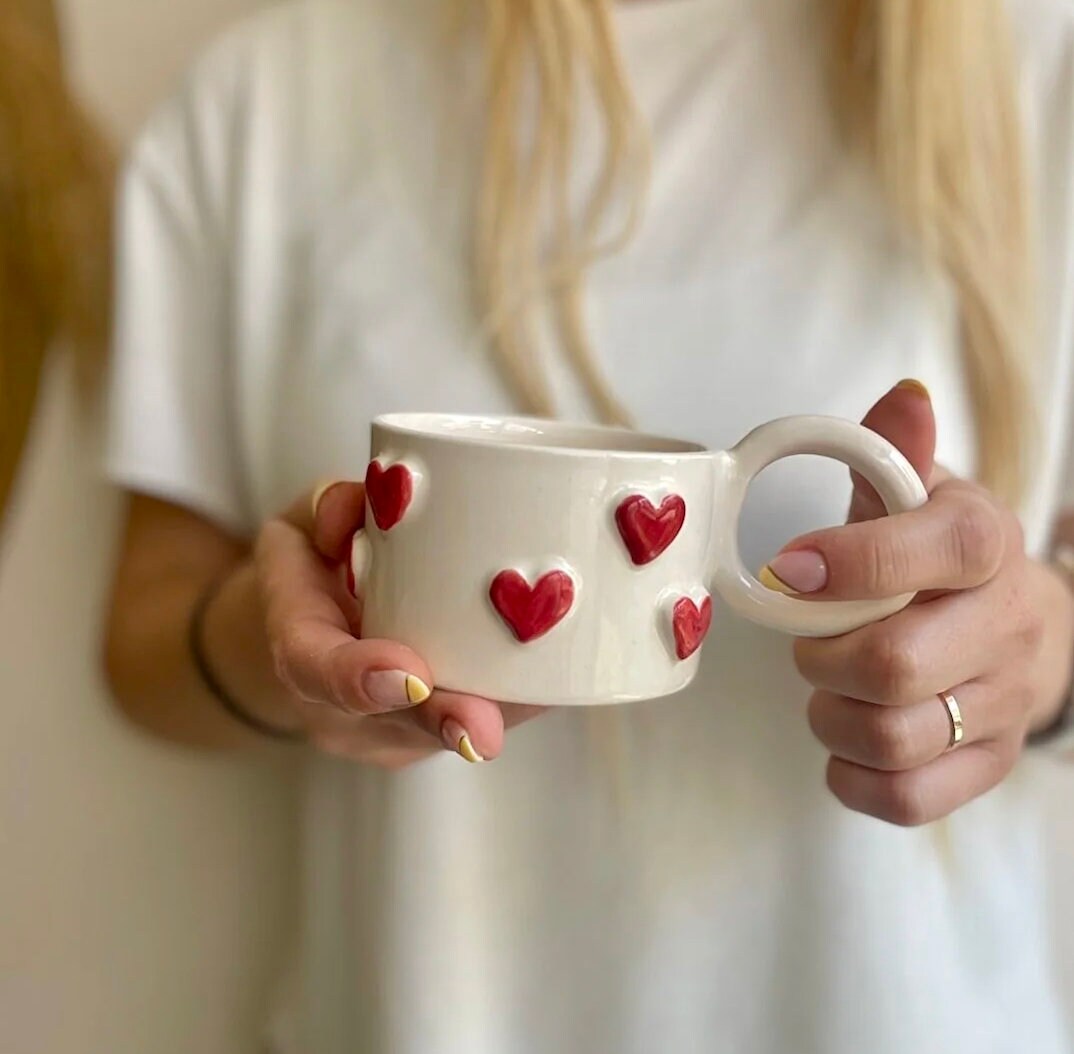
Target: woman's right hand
372, 701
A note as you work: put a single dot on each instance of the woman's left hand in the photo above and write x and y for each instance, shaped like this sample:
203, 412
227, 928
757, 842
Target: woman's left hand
989, 625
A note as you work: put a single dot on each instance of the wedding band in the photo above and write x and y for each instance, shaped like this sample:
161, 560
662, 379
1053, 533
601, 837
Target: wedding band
955, 714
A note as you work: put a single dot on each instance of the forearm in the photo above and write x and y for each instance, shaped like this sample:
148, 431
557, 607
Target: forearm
152, 670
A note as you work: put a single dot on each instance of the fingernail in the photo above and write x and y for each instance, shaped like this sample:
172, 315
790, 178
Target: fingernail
455, 738
395, 689
322, 489
911, 384
799, 571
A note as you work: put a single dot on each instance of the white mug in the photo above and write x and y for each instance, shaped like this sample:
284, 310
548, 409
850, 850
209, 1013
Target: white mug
537, 561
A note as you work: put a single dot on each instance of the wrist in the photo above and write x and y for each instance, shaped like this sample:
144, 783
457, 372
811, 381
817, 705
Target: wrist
1057, 651
235, 649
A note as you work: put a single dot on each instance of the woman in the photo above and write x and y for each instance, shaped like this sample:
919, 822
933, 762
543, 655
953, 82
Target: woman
306, 231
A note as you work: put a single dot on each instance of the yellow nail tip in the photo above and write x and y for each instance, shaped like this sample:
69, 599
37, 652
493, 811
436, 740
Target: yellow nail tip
466, 750
322, 489
770, 580
417, 691
911, 384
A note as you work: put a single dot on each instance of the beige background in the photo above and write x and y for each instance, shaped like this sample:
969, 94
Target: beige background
146, 893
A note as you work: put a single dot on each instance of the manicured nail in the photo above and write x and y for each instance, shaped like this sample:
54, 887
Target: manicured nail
322, 489
455, 738
911, 384
395, 689
799, 571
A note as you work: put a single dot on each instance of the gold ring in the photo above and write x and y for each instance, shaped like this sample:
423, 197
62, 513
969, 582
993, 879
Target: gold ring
958, 731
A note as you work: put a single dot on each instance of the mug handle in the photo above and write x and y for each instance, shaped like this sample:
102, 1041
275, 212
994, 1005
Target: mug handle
899, 487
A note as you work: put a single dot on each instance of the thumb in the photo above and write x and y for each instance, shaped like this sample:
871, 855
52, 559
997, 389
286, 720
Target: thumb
905, 418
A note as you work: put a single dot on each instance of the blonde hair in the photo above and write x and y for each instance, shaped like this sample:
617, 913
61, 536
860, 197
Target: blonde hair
928, 89
55, 189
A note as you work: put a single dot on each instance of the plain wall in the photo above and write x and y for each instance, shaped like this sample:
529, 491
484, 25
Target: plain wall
146, 893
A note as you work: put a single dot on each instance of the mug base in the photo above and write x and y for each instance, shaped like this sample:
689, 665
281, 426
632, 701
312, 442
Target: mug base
547, 700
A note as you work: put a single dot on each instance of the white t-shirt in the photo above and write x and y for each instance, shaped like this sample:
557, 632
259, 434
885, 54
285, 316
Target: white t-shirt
673, 876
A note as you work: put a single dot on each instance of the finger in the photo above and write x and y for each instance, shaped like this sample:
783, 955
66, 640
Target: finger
330, 515
956, 541
921, 795
897, 739
468, 725
395, 740
905, 418
338, 515
449, 716
315, 654
913, 655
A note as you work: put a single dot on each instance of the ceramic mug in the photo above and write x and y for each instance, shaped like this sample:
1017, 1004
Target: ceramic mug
537, 561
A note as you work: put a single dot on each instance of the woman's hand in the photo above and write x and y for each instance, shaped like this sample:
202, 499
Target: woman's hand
991, 626
280, 633
368, 700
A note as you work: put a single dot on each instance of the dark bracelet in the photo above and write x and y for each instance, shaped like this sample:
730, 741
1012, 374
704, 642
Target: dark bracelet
196, 643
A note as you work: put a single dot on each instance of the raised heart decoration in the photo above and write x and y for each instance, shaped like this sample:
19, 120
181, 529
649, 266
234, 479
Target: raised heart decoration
531, 611
389, 491
647, 530
690, 624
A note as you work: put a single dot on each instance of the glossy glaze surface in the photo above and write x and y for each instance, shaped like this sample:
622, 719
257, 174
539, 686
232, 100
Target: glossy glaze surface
540, 562
532, 610
648, 529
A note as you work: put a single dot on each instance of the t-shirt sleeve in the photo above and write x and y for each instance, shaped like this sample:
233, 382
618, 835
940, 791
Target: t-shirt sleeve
172, 430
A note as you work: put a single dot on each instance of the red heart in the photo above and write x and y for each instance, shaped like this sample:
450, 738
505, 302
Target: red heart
531, 611
647, 531
389, 491
690, 624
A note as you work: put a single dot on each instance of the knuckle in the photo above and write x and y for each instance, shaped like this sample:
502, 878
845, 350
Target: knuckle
1031, 630
281, 651
889, 739
902, 801
286, 649
975, 537
885, 564
888, 667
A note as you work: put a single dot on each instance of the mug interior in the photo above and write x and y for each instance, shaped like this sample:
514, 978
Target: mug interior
533, 433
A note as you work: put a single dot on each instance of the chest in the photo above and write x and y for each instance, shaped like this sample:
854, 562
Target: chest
821, 320
764, 279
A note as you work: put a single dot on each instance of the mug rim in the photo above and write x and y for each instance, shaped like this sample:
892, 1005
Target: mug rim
458, 429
